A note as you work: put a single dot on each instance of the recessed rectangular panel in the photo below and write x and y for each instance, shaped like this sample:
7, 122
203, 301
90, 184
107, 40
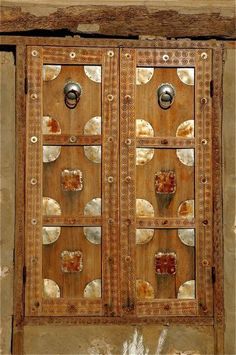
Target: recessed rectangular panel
71, 262
67, 176
165, 264
157, 114
63, 111
165, 183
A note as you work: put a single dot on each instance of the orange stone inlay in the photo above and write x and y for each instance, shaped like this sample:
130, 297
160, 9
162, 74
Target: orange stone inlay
165, 263
71, 261
165, 182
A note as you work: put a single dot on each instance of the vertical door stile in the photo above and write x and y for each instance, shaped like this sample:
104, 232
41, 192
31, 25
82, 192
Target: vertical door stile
110, 181
33, 188
127, 179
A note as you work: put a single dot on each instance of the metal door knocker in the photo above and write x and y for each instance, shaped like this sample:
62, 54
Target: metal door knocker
72, 92
166, 95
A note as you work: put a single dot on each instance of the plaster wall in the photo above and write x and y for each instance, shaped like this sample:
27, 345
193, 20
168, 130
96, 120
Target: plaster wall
112, 340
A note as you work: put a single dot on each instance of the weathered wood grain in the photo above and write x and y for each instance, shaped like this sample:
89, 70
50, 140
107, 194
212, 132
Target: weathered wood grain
130, 20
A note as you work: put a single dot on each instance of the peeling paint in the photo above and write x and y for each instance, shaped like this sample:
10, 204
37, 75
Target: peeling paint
88, 27
135, 346
99, 346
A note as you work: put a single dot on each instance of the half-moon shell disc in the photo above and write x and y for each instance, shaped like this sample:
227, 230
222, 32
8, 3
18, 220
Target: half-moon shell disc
93, 289
50, 234
144, 75
144, 208
186, 209
186, 156
93, 72
93, 234
93, 153
186, 75
50, 125
187, 236
144, 290
144, 155
51, 153
51, 207
93, 207
187, 290
144, 236
144, 129
93, 126
186, 129
50, 289
51, 72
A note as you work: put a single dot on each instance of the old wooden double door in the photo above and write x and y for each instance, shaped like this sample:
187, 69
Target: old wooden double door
118, 182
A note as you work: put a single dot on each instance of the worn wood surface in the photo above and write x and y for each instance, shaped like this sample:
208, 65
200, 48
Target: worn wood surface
168, 19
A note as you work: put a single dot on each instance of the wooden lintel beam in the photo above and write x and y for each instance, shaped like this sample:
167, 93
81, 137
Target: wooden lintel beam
120, 20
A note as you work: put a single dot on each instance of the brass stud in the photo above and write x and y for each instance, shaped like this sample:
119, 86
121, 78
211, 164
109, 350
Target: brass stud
34, 139
165, 57
204, 100
34, 96
33, 221
164, 141
110, 97
204, 141
128, 55
128, 141
34, 53
110, 220
110, 54
204, 55
128, 258
73, 139
205, 262
205, 222
33, 181
110, 139
203, 180
110, 179
128, 97
72, 55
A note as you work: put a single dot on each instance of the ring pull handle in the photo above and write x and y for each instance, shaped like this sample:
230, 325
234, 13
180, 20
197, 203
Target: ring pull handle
166, 95
72, 92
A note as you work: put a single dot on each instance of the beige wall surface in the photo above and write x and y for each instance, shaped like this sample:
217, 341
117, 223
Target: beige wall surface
123, 339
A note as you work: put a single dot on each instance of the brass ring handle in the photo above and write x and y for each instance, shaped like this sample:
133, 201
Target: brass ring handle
72, 92
166, 95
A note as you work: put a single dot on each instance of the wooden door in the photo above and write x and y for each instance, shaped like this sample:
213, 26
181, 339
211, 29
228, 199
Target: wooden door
166, 183
118, 188
72, 182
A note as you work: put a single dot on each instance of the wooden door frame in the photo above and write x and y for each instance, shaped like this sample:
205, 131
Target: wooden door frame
217, 321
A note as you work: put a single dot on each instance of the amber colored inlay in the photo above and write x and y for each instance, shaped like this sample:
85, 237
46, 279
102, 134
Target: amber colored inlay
165, 182
71, 261
165, 263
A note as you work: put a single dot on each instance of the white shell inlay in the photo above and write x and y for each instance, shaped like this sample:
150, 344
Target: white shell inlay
93, 207
144, 129
187, 236
93, 234
144, 208
186, 75
50, 234
51, 153
93, 72
187, 290
144, 236
186, 209
186, 129
144, 75
186, 156
93, 127
51, 207
93, 289
50, 289
51, 72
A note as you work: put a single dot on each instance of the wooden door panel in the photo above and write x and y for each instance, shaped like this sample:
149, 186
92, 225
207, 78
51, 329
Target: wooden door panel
154, 182
164, 122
